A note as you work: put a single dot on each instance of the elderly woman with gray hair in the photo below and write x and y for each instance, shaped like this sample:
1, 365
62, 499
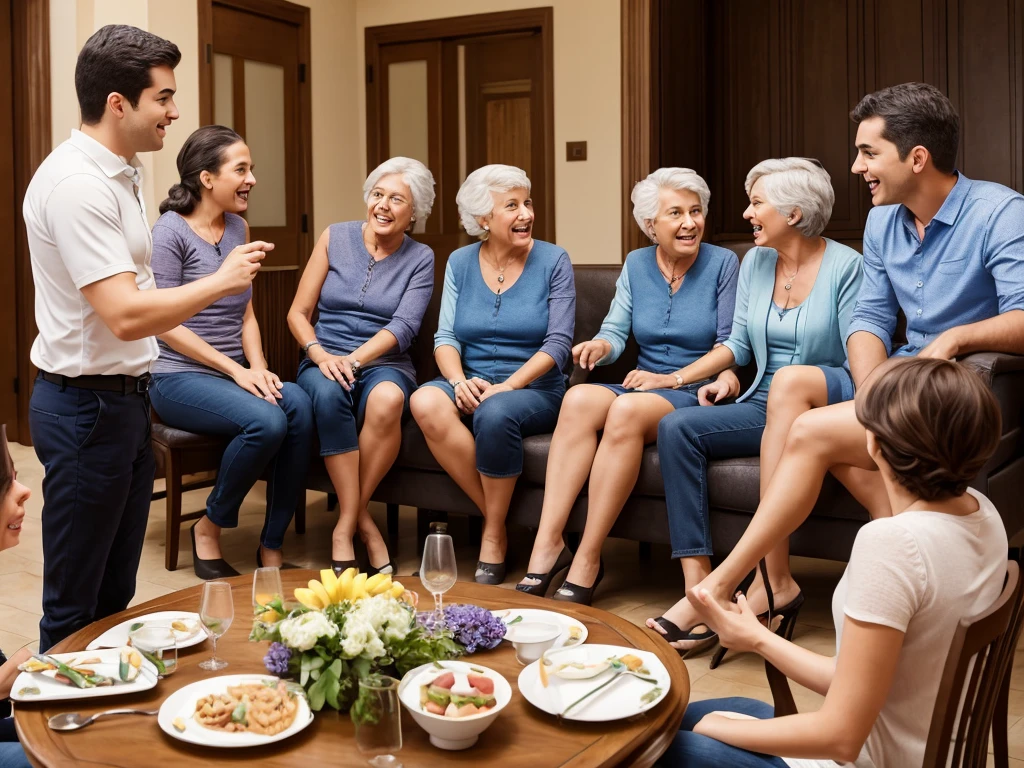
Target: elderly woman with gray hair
504, 336
797, 291
676, 297
370, 283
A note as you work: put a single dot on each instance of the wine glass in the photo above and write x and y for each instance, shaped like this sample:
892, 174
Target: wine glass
438, 569
216, 610
268, 594
378, 719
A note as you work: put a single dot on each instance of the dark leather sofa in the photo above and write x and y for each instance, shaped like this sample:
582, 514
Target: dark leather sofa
417, 480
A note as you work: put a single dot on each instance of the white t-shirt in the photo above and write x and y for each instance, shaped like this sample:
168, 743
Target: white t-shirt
919, 573
85, 223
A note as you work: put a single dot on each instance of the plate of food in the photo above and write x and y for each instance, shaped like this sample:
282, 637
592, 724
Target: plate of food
595, 683
518, 619
83, 675
188, 631
235, 711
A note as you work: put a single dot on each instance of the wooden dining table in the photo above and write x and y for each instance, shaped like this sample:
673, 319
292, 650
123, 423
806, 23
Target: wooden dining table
522, 735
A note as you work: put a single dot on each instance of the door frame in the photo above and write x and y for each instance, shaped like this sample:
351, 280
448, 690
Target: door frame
527, 19
289, 13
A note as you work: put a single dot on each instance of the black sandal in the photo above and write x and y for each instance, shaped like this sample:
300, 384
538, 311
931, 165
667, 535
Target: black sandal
489, 573
574, 593
340, 566
541, 589
673, 634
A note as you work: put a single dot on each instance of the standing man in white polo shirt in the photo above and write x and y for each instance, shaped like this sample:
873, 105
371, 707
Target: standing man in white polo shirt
97, 311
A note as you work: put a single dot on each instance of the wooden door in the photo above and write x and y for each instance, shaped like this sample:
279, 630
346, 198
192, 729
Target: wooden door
8, 270
255, 79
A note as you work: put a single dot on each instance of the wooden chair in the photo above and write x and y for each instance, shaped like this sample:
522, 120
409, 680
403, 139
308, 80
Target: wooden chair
990, 639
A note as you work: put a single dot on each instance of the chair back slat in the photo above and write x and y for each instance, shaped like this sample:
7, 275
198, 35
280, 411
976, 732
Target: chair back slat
988, 639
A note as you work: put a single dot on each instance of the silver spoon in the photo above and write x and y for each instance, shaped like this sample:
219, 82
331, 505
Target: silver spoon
72, 721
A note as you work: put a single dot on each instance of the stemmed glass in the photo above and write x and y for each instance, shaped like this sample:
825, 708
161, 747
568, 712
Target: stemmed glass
377, 715
438, 569
216, 611
268, 594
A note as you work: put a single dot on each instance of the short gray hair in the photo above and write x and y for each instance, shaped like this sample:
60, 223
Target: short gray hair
417, 177
474, 197
796, 182
646, 193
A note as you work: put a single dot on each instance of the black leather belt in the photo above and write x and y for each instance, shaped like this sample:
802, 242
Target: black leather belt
118, 383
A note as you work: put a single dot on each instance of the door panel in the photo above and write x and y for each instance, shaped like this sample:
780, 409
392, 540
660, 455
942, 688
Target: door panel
8, 270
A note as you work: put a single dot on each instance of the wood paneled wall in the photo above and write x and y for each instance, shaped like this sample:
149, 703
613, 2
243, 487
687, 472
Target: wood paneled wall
272, 294
744, 80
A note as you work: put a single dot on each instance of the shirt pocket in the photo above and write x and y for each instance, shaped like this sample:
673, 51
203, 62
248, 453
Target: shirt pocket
952, 266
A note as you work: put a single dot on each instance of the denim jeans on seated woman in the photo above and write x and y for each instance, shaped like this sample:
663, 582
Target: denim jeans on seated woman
262, 435
13, 756
691, 750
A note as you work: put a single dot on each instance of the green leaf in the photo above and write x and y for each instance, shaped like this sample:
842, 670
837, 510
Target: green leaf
318, 694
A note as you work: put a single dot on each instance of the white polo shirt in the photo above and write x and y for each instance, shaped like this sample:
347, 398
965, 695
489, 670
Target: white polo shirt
85, 223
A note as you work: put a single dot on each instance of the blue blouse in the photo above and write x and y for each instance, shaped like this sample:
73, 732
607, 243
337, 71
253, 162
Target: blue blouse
671, 329
496, 333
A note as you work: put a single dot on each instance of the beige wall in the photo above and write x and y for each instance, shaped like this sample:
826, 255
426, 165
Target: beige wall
587, 100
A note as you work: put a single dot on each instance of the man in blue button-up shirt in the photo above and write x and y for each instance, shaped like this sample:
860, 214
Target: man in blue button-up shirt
946, 250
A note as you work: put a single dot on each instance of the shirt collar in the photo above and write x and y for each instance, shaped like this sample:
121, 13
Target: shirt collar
954, 201
108, 162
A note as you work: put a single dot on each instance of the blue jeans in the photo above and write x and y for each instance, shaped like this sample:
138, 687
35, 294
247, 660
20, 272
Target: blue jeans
691, 750
339, 413
13, 756
263, 436
98, 461
687, 438
501, 422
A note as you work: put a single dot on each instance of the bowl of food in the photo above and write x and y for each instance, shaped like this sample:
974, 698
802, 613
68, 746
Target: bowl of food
454, 701
531, 639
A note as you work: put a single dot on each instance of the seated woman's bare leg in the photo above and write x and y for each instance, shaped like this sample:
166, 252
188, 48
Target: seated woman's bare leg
497, 497
573, 447
695, 570
449, 440
632, 422
379, 441
818, 440
866, 487
343, 469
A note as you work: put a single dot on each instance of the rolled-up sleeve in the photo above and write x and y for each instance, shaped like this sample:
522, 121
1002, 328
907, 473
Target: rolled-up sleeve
619, 320
85, 221
739, 341
877, 304
1004, 253
727, 279
561, 312
168, 260
445, 336
408, 317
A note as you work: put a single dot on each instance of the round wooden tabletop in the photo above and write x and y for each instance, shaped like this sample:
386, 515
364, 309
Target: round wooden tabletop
522, 734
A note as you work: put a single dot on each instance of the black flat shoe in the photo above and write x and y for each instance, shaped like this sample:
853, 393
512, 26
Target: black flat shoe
489, 573
388, 568
787, 615
541, 589
574, 593
673, 634
340, 566
209, 570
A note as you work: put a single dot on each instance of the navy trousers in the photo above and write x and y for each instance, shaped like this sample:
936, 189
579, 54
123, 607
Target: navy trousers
95, 450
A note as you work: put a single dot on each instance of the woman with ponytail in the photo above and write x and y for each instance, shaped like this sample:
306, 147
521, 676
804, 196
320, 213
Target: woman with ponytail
212, 377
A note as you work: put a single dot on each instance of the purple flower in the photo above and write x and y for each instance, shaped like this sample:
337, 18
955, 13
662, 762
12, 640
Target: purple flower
474, 627
276, 660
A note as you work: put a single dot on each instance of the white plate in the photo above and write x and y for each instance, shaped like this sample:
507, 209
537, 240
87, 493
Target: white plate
117, 636
551, 617
182, 703
51, 690
619, 700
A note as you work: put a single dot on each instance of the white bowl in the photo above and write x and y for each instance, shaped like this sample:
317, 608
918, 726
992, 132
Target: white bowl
451, 732
531, 639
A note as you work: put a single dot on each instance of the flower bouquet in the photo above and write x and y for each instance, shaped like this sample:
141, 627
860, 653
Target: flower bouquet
345, 629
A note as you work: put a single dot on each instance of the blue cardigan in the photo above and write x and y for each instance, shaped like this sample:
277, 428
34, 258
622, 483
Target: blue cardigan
821, 334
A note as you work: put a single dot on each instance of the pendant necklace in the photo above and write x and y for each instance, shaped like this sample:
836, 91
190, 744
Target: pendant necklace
671, 280
788, 286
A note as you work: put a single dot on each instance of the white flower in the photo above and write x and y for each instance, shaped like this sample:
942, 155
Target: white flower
301, 632
388, 617
360, 638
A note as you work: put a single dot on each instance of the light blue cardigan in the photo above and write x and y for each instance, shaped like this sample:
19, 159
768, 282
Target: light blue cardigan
821, 333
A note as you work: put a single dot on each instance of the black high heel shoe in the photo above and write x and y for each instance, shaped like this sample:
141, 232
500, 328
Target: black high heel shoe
673, 634
787, 613
371, 571
209, 570
340, 566
541, 589
574, 593
489, 573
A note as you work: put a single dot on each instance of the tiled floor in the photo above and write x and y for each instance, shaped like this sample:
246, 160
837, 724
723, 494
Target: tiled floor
631, 589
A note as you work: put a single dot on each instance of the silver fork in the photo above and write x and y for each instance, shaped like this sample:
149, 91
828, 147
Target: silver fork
72, 721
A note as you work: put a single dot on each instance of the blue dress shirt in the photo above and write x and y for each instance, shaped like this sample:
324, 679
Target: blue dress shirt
968, 267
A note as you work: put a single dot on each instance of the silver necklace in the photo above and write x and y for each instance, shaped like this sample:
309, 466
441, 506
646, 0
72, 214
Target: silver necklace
788, 286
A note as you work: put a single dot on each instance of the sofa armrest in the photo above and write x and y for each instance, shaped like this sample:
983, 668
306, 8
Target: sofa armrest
988, 365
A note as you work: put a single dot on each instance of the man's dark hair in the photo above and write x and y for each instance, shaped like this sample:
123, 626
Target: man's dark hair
117, 59
915, 114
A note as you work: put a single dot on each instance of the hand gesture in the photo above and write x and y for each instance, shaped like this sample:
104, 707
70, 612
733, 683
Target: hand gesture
737, 626
260, 382
726, 385
644, 381
339, 368
469, 394
242, 264
494, 389
587, 353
